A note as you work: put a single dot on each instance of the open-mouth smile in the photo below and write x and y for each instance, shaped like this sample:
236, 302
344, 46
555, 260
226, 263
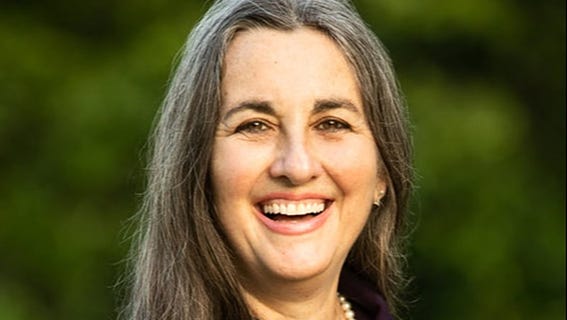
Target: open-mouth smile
281, 209
293, 216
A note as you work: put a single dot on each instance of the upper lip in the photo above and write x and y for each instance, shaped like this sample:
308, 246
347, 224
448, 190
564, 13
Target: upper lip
292, 197
283, 197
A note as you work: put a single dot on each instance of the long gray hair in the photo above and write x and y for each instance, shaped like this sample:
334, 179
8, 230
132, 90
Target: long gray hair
182, 265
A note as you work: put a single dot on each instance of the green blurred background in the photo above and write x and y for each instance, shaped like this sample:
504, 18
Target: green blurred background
485, 82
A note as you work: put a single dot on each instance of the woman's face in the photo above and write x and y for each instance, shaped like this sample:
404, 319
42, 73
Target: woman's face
294, 165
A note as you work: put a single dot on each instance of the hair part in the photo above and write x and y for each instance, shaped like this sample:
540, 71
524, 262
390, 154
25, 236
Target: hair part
182, 265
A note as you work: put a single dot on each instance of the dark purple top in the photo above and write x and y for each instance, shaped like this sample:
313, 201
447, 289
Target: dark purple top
366, 301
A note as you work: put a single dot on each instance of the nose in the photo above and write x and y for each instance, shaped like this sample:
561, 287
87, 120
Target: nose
295, 161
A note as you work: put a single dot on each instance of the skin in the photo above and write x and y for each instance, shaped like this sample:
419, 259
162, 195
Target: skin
292, 128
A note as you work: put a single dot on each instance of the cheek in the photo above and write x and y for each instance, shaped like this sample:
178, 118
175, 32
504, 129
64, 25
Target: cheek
234, 170
353, 164
225, 172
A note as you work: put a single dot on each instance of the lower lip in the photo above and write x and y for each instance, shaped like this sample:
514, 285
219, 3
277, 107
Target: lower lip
296, 227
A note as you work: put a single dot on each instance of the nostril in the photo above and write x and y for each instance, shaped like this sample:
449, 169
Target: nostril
296, 163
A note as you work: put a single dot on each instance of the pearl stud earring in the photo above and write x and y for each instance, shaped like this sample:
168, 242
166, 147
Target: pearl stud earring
377, 202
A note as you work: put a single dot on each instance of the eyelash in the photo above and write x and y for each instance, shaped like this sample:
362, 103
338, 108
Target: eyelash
254, 126
258, 126
332, 125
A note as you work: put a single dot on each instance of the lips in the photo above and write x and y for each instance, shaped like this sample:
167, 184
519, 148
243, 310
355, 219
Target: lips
272, 209
293, 216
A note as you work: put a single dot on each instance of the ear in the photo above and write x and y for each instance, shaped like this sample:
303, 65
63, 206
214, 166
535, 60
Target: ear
379, 192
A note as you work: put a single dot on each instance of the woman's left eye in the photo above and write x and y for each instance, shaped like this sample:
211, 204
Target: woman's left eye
332, 125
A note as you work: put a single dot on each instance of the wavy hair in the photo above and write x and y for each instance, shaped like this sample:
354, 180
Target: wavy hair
182, 266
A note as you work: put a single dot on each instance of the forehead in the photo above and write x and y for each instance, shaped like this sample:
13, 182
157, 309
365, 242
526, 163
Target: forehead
263, 38
261, 44
306, 61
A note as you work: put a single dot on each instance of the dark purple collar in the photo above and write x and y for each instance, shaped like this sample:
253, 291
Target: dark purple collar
365, 299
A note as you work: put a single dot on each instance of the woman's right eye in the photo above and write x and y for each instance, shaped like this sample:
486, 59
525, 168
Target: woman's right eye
252, 127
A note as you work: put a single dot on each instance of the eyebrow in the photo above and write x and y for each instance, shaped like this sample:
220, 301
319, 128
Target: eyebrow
254, 105
331, 104
265, 107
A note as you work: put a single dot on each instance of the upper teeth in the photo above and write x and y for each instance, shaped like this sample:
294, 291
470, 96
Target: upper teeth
293, 209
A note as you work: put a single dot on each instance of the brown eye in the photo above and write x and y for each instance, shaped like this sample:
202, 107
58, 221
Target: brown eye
332, 125
252, 127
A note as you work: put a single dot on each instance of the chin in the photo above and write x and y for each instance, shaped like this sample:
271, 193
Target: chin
297, 273
296, 266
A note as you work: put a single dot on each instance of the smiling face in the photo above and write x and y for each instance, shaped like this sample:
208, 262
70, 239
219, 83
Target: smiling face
294, 166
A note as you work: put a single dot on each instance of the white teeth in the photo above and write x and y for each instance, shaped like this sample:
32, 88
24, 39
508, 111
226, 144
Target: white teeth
293, 209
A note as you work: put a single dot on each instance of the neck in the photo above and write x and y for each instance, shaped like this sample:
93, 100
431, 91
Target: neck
287, 300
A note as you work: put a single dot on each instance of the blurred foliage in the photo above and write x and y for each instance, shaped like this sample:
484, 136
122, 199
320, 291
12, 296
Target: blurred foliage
485, 82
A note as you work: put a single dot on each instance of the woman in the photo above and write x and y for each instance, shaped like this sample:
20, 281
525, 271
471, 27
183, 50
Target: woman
280, 171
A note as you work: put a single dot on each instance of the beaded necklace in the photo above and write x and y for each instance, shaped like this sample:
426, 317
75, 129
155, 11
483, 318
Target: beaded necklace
345, 305
347, 308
